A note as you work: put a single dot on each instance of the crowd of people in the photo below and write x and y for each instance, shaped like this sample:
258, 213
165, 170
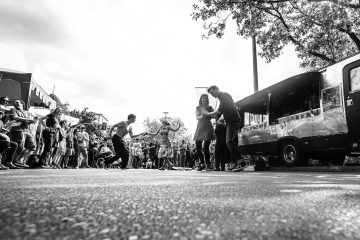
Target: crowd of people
27, 141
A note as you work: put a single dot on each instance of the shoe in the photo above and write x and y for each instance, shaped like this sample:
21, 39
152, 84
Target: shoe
19, 164
12, 166
201, 167
45, 166
208, 169
217, 169
232, 166
240, 167
3, 167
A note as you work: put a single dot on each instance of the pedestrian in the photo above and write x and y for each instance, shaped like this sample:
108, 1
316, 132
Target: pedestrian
232, 118
222, 155
122, 128
165, 150
204, 132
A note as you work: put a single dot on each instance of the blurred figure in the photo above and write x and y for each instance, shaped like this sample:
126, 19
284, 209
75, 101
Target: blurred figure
165, 151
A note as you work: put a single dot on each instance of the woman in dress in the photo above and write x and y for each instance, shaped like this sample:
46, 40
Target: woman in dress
204, 132
165, 151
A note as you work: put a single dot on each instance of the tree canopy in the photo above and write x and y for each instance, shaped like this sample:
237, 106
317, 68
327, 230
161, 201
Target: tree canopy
322, 31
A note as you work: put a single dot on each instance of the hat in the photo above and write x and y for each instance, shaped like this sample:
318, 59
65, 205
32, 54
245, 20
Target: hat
81, 126
5, 98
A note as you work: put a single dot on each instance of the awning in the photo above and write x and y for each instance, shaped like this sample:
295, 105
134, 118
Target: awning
19, 85
39, 96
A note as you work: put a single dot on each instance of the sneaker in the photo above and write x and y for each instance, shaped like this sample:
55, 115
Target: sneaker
240, 167
208, 169
12, 166
201, 167
3, 167
232, 166
20, 165
45, 166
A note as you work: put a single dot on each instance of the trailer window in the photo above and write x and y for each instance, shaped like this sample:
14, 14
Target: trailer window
355, 79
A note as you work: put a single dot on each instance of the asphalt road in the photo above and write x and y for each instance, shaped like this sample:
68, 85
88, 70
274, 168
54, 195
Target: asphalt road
152, 204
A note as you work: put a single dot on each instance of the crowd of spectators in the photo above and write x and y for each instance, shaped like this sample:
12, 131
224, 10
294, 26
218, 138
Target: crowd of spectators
27, 141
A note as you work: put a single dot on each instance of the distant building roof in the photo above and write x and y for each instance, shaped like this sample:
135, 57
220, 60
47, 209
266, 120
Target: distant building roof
99, 114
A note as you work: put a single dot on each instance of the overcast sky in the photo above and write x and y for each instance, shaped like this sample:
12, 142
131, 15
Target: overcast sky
122, 56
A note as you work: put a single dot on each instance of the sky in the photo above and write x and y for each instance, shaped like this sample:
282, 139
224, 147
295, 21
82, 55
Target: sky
118, 57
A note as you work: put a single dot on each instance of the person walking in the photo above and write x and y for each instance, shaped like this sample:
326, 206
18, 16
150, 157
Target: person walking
232, 118
123, 128
204, 132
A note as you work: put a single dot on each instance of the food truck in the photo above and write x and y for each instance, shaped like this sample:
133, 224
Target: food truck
313, 114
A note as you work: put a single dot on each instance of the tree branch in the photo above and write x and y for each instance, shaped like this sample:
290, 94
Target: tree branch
337, 2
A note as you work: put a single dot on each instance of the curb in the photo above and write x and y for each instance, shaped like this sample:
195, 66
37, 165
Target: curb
316, 169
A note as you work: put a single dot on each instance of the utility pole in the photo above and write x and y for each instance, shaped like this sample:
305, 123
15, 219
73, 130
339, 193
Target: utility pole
165, 113
255, 70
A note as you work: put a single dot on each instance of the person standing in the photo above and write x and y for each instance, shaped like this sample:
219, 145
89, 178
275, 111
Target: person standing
222, 155
232, 118
123, 128
82, 139
49, 135
204, 132
182, 154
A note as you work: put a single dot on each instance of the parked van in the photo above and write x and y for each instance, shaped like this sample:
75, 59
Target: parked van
313, 114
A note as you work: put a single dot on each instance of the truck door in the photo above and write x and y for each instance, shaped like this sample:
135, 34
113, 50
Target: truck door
351, 78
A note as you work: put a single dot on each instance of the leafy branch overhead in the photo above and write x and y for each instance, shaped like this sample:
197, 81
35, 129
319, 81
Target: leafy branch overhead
322, 31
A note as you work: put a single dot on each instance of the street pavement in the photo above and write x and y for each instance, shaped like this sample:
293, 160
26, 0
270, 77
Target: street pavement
152, 204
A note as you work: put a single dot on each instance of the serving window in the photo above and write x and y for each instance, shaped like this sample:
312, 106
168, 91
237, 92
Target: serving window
355, 79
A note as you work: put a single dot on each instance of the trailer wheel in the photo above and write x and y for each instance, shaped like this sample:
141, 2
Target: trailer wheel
290, 154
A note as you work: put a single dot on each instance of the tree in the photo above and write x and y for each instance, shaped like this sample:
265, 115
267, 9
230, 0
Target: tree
152, 125
322, 31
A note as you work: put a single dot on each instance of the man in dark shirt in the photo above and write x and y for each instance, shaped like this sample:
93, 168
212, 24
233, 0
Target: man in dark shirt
232, 118
222, 154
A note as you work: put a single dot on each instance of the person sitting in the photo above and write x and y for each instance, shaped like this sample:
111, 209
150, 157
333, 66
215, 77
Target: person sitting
149, 163
7, 147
